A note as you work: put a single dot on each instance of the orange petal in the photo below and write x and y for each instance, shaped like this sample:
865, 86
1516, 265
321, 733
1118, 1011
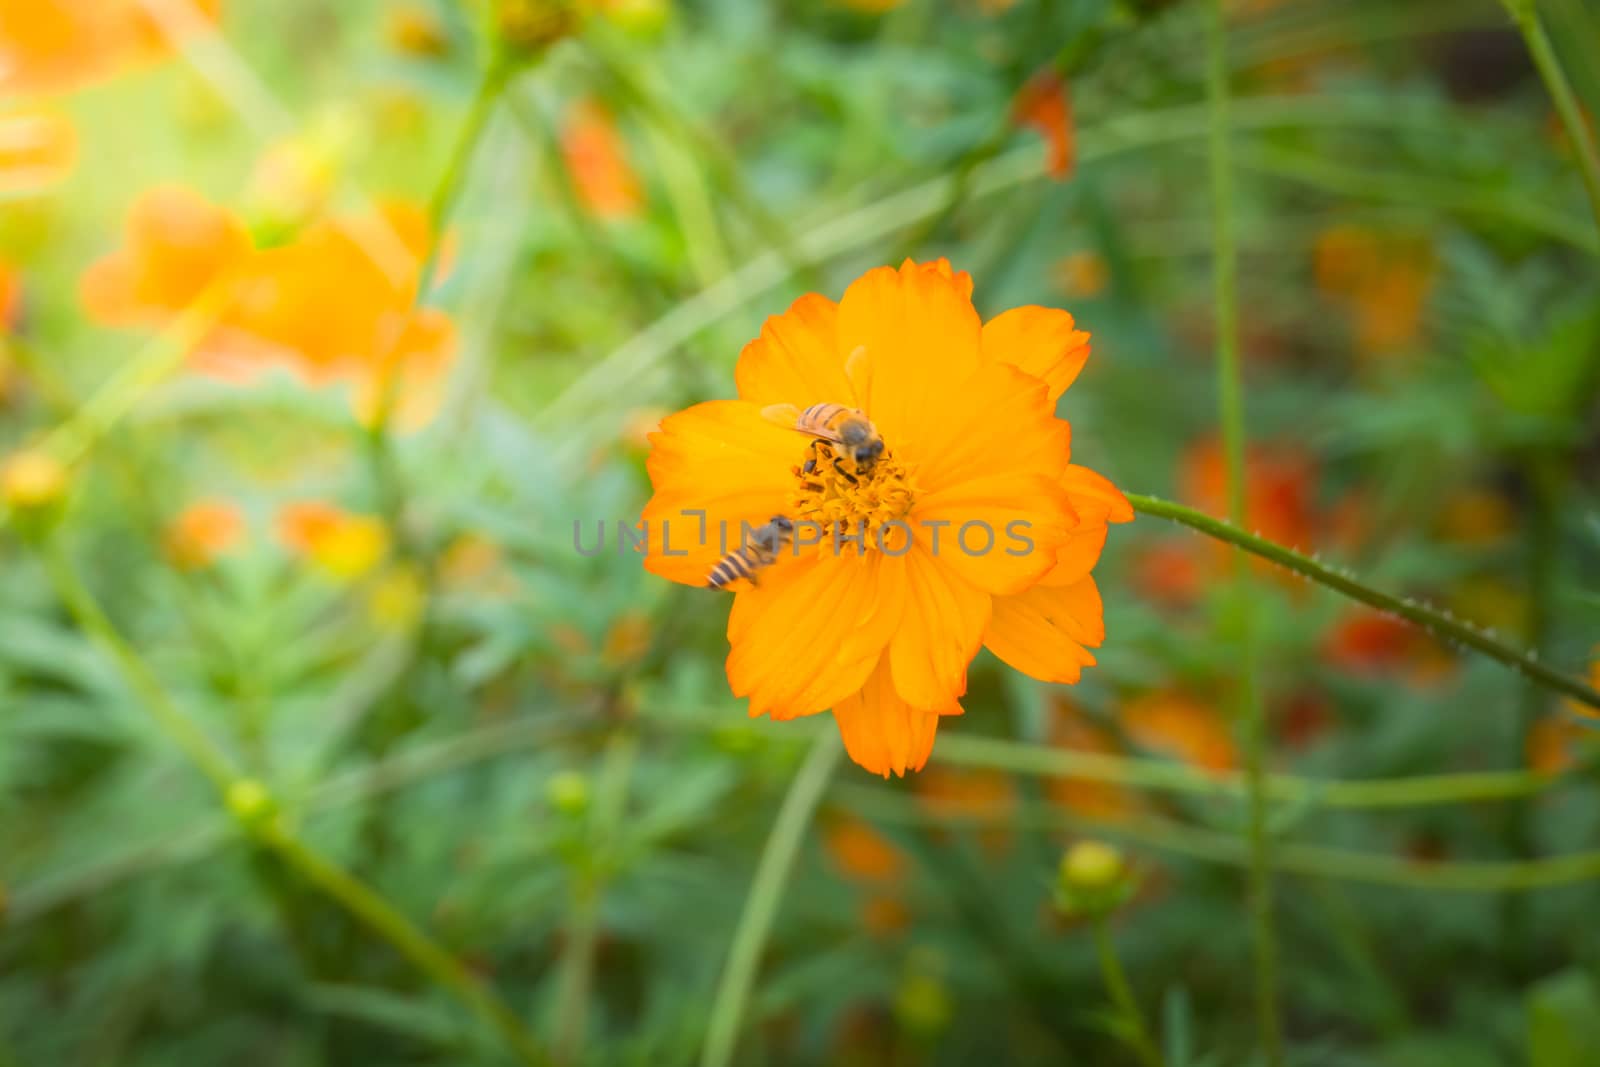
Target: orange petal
792, 654
921, 339
999, 421
1043, 342
1078, 554
1047, 631
942, 629
1093, 494
881, 731
796, 360
724, 459
1001, 533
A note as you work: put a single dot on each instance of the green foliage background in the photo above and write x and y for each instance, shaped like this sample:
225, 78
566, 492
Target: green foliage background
528, 798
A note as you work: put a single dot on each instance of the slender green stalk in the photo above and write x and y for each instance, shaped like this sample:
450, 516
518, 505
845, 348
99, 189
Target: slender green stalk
361, 901
761, 906
1307, 793
441, 205
593, 873
1433, 620
252, 805
1230, 393
1314, 861
204, 752
1138, 1030
1540, 47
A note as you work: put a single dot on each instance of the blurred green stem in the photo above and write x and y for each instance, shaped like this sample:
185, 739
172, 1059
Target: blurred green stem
1230, 393
766, 890
1431, 619
1540, 47
1136, 1029
252, 805
599, 861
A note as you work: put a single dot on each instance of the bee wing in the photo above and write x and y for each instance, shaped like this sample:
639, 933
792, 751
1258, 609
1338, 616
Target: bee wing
788, 416
785, 415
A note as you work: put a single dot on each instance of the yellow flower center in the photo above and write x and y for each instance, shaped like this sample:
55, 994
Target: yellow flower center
840, 498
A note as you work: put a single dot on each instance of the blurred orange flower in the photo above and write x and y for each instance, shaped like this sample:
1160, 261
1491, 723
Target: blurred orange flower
1074, 731
1177, 725
1555, 743
862, 853
1169, 571
10, 298
1384, 279
967, 412
1366, 643
962, 793
335, 305
1280, 488
1045, 104
38, 150
204, 532
344, 545
176, 245
51, 45
597, 162
1083, 274
1476, 516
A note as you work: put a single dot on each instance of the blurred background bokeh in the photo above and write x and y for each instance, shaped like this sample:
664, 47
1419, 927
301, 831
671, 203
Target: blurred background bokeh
315, 342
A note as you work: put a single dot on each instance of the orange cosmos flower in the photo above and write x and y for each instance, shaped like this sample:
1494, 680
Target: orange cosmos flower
38, 150
204, 532
176, 244
1367, 644
50, 45
1045, 104
597, 162
880, 628
1280, 488
1178, 725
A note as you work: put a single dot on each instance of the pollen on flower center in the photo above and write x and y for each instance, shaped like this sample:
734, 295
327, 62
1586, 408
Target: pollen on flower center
837, 496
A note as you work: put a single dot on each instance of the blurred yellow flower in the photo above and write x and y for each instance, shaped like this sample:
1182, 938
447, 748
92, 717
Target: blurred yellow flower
50, 45
343, 545
397, 599
32, 480
882, 635
38, 150
413, 28
204, 532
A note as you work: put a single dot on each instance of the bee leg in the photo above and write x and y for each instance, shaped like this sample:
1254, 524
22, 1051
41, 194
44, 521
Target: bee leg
838, 466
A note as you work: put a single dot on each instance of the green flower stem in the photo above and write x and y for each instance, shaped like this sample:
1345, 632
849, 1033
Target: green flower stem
1308, 793
252, 805
1526, 14
1431, 619
1230, 393
1121, 993
1312, 861
441, 205
766, 890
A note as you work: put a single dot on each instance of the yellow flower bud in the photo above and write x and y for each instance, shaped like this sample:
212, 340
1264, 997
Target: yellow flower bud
32, 480
568, 792
1092, 865
249, 801
530, 26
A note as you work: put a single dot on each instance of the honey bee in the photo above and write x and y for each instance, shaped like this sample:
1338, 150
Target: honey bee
759, 551
848, 428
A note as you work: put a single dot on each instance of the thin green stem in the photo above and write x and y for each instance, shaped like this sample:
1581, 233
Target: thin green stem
252, 805
1314, 861
1307, 793
361, 901
204, 752
761, 906
1230, 392
1138, 1030
1540, 47
1433, 620
441, 205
